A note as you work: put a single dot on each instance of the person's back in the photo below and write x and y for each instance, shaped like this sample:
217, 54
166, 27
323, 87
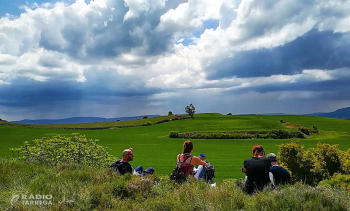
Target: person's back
122, 167
280, 174
257, 170
184, 161
185, 164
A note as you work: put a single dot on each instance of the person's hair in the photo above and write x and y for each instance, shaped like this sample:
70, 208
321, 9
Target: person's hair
127, 151
257, 149
272, 157
188, 146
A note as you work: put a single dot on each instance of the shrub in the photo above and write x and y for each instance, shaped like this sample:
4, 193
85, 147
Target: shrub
314, 127
229, 114
174, 134
281, 121
147, 123
338, 180
59, 149
145, 117
345, 161
313, 165
304, 130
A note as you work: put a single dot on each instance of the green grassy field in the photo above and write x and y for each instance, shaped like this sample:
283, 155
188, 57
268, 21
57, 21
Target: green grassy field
152, 147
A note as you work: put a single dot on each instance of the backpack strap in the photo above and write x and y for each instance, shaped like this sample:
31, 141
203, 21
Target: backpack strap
183, 160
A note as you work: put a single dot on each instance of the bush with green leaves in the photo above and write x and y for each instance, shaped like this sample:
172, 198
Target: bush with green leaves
174, 134
307, 131
59, 149
315, 164
339, 181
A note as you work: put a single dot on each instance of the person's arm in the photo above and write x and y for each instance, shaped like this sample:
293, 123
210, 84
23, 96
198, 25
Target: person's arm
197, 161
272, 179
244, 169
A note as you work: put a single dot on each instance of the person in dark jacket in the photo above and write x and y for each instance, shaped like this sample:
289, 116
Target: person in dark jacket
257, 170
281, 175
122, 165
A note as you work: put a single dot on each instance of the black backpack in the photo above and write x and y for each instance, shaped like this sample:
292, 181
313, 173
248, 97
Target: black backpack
209, 173
177, 175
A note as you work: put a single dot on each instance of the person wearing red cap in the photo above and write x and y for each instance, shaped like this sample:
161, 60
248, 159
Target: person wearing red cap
122, 165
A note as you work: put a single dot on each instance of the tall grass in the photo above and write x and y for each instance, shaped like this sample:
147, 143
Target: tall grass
80, 187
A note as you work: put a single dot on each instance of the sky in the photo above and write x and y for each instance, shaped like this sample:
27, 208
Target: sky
115, 58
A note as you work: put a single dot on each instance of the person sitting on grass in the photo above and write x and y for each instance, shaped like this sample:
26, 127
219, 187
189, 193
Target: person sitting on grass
281, 175
187, 161
206, 173
257, 170
199, 171
202, 157
122, 165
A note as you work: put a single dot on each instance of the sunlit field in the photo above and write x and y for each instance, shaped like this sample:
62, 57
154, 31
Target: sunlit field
153, 147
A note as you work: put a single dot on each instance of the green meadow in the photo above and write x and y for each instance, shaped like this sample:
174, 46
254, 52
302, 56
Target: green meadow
153, 147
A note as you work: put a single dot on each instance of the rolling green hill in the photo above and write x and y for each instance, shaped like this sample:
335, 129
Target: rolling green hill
153, 147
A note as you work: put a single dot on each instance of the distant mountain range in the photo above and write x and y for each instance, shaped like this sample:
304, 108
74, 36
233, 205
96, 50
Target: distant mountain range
79, 120
343, 113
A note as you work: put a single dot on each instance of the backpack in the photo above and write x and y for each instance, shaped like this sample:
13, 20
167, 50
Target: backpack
178, 175
209, 173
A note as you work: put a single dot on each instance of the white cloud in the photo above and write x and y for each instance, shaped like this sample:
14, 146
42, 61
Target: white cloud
142, 6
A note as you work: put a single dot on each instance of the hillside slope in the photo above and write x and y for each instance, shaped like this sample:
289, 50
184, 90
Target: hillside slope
343, 113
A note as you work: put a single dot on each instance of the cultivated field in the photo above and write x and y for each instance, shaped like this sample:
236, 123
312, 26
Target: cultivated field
153, 147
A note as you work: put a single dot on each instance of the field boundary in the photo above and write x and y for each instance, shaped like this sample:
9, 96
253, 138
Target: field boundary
265, 134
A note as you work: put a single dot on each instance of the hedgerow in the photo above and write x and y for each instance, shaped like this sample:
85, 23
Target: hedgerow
305, 130
273, 134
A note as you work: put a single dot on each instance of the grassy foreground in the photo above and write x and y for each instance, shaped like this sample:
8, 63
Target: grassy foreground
78, 187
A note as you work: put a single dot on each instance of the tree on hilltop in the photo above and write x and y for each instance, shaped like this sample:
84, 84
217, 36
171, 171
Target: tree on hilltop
190, 110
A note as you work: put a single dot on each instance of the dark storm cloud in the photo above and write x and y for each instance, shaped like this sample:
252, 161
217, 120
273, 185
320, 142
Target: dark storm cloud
314, 50
24, 92
336, 89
